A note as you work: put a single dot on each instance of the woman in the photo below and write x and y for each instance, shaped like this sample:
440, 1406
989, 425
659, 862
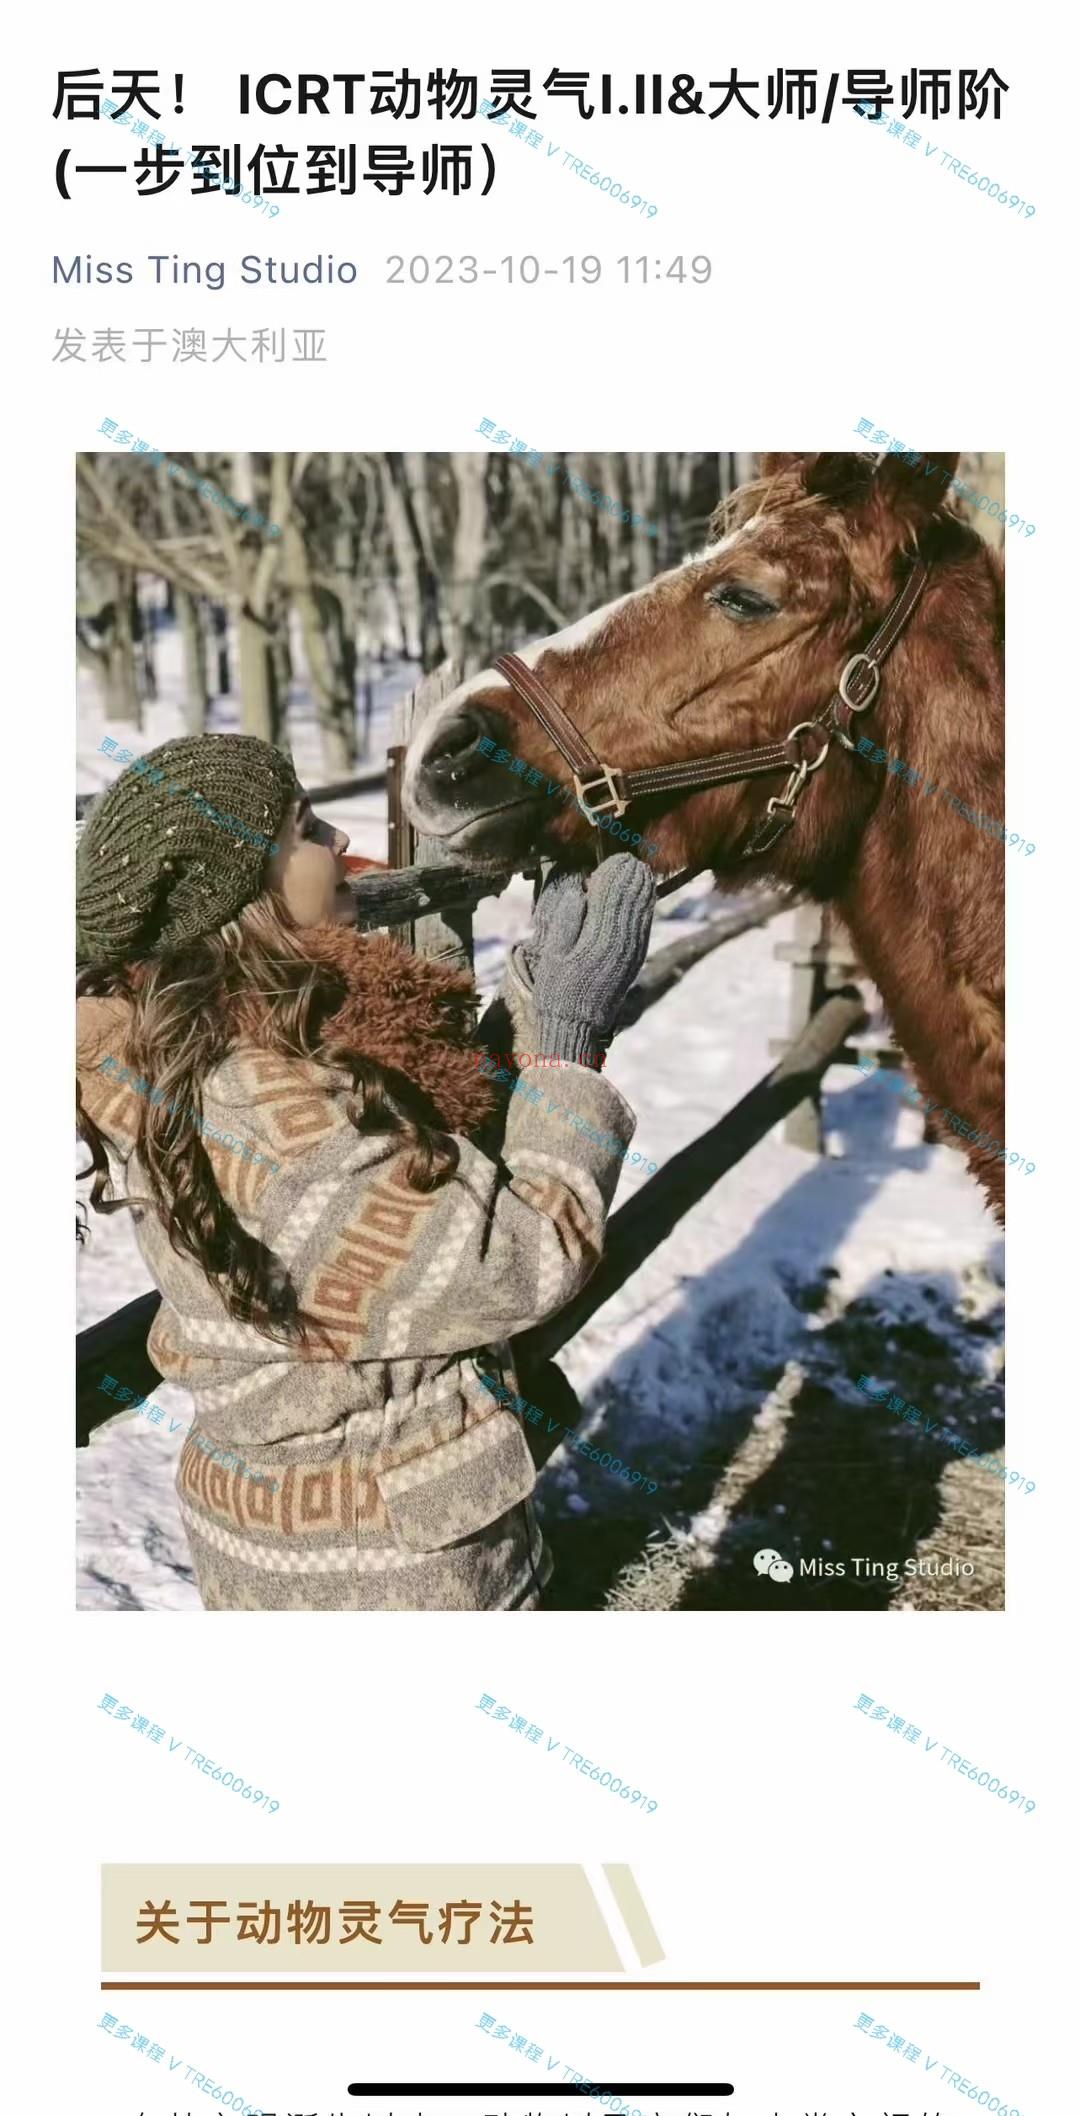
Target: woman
341, 1241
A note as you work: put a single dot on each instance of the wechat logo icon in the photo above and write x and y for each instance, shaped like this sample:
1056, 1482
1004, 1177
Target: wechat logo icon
771, 1562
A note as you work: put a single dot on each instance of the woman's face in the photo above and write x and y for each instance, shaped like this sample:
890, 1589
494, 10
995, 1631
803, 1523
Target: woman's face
307, 868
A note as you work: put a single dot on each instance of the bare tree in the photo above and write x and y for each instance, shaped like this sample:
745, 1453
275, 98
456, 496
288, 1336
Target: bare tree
192, 638
464, 627
407, 510
459, 554
223, 559
104, 637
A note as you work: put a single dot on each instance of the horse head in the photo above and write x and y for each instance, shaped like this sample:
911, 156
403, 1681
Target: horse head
728, 651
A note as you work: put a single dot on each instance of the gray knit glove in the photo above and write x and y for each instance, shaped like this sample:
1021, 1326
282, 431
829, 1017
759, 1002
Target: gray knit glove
586, 947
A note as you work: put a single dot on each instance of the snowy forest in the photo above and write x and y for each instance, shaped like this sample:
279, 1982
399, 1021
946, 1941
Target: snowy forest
414, 557
420, 557
727, 1368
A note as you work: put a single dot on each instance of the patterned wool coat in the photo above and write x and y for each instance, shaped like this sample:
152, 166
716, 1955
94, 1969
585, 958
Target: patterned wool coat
400, 1483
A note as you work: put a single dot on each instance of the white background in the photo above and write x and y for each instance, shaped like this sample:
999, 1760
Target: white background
853, 278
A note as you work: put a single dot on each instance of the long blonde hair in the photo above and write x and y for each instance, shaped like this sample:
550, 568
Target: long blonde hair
253, 980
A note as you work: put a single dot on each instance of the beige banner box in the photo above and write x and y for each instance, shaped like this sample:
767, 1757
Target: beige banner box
159, 1920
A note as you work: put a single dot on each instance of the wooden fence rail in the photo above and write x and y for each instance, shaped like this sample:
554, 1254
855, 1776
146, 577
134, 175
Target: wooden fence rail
638, 1228
657, 1207
403, 895
667, 968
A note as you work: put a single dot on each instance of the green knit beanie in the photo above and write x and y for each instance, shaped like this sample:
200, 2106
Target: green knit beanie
178, 845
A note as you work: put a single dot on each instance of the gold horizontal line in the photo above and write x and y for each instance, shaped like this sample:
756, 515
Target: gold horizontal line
663, 1984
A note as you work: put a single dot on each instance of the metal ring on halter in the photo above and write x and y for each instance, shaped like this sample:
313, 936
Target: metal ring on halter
846, 677
810, 727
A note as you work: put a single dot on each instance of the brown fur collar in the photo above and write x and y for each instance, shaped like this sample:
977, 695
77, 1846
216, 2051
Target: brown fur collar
397, 1009
408, 1015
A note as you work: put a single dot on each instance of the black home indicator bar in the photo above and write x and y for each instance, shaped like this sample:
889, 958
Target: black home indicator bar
530, 2088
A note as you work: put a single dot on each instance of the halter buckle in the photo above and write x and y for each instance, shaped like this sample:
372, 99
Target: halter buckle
845, 679
613, 804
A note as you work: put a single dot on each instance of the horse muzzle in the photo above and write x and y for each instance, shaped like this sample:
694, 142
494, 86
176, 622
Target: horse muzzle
454, 789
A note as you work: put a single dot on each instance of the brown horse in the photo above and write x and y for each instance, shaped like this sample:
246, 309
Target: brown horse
729, 651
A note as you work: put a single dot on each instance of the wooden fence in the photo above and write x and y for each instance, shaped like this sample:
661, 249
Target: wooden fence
428, 899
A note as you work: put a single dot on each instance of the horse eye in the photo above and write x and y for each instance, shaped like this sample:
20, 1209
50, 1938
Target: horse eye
740, 602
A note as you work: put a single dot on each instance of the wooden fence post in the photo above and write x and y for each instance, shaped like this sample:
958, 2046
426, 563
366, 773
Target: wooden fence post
445, 935
822, 960
639, 1227
400, 837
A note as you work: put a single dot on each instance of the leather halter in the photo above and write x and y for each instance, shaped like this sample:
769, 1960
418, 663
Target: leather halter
855, 693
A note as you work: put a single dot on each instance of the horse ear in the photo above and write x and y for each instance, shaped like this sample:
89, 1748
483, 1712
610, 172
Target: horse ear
910, 487
838, 475
914, 486
771, 465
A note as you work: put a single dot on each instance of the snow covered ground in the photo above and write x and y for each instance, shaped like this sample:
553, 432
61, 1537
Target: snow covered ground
727, 1368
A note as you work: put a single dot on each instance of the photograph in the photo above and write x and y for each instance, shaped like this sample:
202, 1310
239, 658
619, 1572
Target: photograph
540, 1030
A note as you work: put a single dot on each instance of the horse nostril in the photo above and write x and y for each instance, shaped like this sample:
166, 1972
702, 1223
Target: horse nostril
455, 753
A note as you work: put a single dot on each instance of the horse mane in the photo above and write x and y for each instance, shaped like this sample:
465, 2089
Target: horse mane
943, 535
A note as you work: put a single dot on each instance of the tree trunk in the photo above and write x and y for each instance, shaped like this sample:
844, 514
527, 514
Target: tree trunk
320, 618
259, 698
406, 583
121, 693
219, 618
412, 556
281, 649
641, 475
344, 572
367, 706
196, 696
563, 538
463, 629
611, 527
143, 622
